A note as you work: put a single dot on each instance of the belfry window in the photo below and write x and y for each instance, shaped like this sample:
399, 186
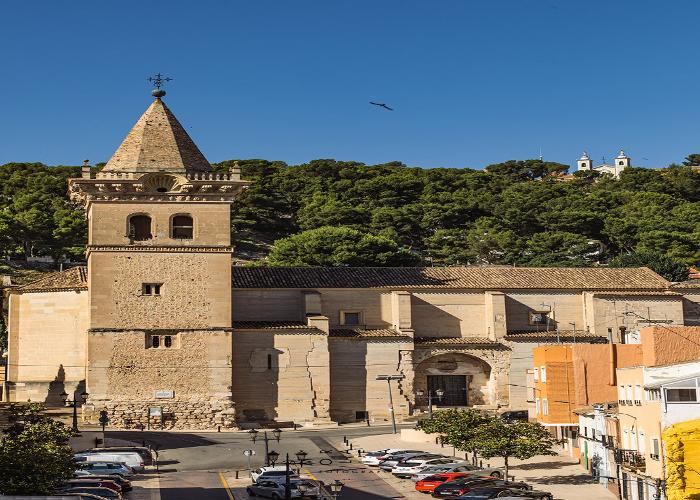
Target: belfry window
140, 228
182, 227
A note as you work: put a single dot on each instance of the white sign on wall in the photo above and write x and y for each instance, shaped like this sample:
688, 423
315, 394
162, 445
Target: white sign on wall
164, 394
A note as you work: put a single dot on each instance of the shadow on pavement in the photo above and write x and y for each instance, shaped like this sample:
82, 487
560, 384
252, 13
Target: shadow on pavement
190, 493
571, 479
164, 440
542, 465
350, 493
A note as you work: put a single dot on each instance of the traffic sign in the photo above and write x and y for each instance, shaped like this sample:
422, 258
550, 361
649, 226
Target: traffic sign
248, 453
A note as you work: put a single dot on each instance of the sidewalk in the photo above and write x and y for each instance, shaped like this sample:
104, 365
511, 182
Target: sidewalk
560, 475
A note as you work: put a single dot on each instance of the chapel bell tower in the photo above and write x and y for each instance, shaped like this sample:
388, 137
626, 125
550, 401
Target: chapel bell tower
159, 278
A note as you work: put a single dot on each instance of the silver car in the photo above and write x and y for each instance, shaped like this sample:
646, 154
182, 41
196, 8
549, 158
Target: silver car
393, 460
455, 467
275, 489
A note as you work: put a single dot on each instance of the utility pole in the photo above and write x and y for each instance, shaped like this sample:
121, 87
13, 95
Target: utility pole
389, 378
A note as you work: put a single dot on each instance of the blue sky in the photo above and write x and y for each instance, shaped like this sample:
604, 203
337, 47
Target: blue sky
472, 82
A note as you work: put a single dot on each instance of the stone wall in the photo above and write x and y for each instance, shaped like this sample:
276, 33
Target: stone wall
124, 376
47, 345
354, 366
281, 376
195, 290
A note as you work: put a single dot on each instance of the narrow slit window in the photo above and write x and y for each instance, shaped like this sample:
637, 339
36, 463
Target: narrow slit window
269, 361
168, 341
151, 289
155, 341
183, 227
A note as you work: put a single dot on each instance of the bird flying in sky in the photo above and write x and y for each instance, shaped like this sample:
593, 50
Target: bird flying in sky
382, 105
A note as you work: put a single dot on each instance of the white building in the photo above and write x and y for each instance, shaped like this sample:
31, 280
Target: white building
622, 161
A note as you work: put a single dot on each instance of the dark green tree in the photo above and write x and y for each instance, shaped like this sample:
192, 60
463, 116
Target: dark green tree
35, 456
521, 440
458, 428
667, 267
338, 246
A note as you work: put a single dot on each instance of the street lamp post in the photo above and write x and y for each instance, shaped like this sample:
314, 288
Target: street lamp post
254, 436
336, 487
389, 378
439, 393
74, 404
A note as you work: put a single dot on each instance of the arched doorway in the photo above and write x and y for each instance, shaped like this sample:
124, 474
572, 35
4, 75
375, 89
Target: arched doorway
463, 380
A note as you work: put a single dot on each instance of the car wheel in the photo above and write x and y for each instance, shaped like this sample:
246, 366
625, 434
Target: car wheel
250, 492
496, 474
275, 496
547, 497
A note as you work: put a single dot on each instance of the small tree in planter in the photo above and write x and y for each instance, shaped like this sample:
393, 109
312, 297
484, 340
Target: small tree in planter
521, 440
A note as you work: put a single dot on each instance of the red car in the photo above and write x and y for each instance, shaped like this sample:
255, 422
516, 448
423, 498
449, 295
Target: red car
429, 484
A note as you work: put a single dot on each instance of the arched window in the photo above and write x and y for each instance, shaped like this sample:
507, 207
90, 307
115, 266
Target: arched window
140, 228
182, 227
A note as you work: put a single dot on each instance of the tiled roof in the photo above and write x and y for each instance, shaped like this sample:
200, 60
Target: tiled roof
694, 283
271, 325
660, 293
74, 278
482, 278
551, 336
157, 143
459, 341
358, 333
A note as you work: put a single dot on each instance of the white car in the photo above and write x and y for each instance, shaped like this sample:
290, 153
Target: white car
414, 465
374, 457
270, 472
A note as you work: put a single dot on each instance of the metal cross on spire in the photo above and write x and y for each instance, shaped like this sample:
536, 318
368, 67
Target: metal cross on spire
157, 80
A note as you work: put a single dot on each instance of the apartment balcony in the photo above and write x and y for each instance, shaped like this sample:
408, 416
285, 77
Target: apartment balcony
631, 459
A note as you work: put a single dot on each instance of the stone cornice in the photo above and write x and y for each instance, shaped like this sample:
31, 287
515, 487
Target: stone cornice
159, 248
213, 329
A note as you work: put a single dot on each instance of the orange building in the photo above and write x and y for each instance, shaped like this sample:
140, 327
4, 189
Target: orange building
567, 377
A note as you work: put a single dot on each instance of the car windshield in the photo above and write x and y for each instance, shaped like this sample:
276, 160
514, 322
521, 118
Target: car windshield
412, 464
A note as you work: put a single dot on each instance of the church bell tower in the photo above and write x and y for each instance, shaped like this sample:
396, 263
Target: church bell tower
159, 279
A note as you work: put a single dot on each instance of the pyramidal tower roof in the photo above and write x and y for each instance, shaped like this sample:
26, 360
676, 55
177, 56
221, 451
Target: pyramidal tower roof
158, 143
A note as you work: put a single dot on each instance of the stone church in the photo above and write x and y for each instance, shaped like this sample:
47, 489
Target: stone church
161, 330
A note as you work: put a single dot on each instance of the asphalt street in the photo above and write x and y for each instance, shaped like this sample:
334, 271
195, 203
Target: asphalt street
193, 465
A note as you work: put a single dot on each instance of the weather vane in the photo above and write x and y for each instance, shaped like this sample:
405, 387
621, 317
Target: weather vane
157, 80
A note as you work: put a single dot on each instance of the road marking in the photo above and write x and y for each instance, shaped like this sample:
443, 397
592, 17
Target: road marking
310, 474
227, 488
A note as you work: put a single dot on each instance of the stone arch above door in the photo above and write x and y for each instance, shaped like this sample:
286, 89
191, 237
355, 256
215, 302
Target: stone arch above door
485, 372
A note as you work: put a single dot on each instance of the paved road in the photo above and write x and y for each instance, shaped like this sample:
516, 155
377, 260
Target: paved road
192, 465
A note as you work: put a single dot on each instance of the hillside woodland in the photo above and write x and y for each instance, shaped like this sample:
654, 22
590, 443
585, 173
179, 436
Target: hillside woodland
329, 212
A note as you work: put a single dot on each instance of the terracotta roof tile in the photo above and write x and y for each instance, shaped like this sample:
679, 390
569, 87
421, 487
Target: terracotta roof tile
358, 333
271, 325
489, 278
551, 336
74, 278
457, 341
694, 283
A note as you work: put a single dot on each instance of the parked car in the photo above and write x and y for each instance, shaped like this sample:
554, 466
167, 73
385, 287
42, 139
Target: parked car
458, 467
144, 452
514, 416
406, 468
271, 473
276, 490
93, 483
464, 485
125, 484
107, 468
374, 458
100, 492
429, 484
505, 492
394, 460
130, 458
